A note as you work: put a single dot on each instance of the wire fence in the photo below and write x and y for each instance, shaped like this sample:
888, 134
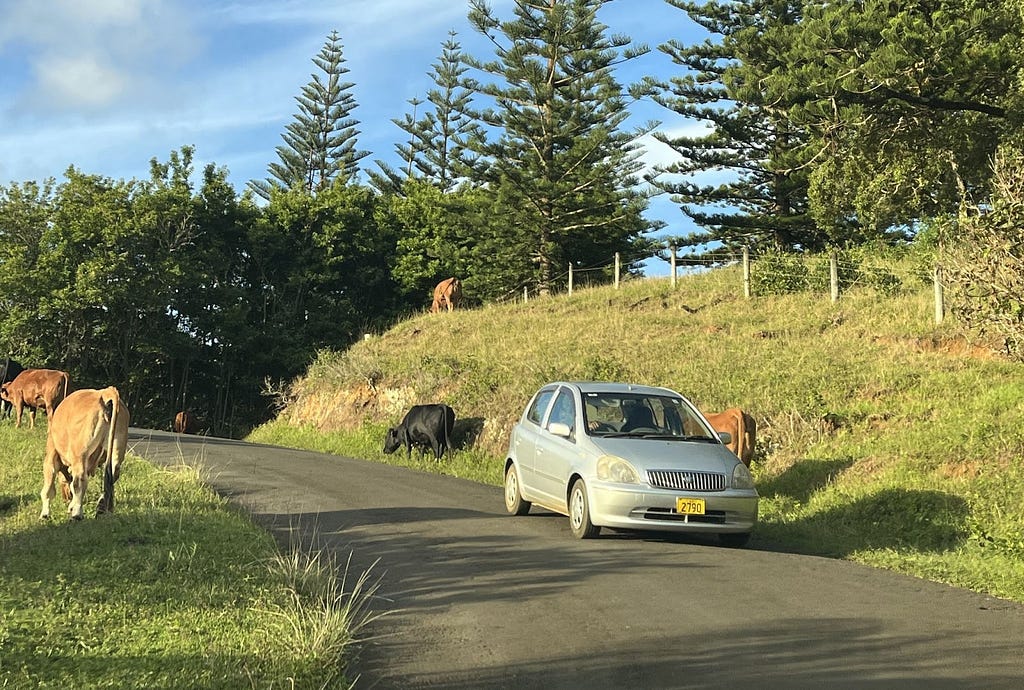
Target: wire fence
767, 273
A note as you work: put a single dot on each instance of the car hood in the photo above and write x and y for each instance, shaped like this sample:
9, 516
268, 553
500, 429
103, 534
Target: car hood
652, 454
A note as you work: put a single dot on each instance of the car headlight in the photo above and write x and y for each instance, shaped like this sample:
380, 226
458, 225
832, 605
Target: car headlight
741, 477
614, 469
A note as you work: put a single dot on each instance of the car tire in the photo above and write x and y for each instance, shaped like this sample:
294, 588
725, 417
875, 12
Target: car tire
735, 539
514, 502
579, 512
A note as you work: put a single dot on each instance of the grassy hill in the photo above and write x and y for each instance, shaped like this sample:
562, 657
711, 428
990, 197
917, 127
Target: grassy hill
882, 438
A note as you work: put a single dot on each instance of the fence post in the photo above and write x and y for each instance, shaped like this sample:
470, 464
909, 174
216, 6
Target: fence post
746, 272
672, 248
940, 305
526, 294
833, 266
570, 278
616, 270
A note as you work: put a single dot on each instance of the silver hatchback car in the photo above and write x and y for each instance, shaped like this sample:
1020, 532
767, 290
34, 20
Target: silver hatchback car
625, 456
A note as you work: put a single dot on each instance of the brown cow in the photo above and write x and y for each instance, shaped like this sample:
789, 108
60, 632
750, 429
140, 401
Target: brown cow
88, 429
741, 427
35, 388
446, 295
185, 423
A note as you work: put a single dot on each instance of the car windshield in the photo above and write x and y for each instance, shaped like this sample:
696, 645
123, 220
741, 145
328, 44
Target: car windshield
642, 416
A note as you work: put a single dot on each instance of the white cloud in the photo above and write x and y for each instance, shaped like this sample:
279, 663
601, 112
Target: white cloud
80, 80
658, 154
92, 53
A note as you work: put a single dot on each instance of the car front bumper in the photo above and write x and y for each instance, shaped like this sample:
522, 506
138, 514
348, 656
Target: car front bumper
642, 507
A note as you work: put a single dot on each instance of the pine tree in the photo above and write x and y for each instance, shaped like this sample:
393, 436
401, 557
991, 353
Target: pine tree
765, 201
320, 144
561, 163
436, 150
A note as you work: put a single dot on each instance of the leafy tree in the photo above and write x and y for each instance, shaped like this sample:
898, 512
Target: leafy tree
322, 266
437, 149
559, 161
26, 211
905, 103
320, 144
764, 201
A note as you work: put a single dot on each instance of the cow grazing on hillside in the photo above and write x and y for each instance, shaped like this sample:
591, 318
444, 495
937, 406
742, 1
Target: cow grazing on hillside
185, 423
447, 294
741, 427
10, 370
423, 426
88, 430
35, 388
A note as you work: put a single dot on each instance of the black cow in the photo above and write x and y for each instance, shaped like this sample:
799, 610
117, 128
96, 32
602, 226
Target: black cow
423, 426
10, 371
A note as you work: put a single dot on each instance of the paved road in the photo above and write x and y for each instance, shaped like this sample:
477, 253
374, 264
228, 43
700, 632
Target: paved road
484, 600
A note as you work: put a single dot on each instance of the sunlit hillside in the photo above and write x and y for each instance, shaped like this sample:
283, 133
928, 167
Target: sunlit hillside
881, 436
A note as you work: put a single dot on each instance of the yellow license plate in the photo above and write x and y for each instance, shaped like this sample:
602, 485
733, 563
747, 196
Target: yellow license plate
690, 506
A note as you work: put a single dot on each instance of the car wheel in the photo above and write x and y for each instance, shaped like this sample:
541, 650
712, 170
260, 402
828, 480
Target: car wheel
579, 512
735, 539
514, 502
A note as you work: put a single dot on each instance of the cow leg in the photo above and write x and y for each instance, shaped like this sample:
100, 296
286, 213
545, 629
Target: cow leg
17, 415
31, 418
49, 489
79, 484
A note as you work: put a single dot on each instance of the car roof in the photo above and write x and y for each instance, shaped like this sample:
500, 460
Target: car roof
616, 387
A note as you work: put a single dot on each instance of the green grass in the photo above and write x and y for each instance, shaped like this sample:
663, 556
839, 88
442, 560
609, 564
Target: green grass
176, 589
882, 437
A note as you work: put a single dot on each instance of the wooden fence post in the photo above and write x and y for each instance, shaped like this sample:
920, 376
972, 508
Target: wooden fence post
833, 266
570, 278
616, 270
746, 272
672, 248
526, 294
940, 305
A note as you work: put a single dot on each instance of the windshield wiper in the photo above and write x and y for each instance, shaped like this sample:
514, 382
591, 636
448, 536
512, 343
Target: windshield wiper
672, 437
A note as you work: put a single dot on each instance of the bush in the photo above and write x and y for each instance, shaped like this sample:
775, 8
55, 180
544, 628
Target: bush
984, 258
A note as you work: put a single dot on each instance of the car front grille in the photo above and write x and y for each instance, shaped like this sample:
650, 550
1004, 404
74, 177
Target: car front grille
712, 517
686, 481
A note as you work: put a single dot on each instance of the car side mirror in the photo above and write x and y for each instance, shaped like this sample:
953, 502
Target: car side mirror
725, 436
560, 429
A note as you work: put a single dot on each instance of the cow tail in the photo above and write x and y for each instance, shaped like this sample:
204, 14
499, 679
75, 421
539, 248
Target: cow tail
64, 375
111, 406
447, 431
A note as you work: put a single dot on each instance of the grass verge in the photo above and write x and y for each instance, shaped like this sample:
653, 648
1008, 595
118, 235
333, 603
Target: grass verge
177, 589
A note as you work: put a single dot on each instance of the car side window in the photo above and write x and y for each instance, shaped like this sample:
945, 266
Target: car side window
540, 404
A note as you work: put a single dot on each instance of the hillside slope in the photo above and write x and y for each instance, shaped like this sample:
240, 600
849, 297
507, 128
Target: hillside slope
881, 437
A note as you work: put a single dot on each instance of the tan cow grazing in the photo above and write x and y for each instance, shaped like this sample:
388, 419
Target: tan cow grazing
446, 295
741, 427
185, 423
88, 429
35, 388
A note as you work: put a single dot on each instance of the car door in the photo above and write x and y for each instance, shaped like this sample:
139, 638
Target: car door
525, 443
555, 454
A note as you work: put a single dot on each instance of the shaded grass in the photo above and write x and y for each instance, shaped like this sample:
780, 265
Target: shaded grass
882, 437
176, 589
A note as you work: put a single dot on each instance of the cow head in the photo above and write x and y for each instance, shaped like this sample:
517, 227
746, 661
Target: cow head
5, 394
392, 441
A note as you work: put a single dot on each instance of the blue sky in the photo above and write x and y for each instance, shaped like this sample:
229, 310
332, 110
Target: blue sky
106, 85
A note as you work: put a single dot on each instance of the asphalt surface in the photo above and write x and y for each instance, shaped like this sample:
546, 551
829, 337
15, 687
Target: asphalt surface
479, 599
